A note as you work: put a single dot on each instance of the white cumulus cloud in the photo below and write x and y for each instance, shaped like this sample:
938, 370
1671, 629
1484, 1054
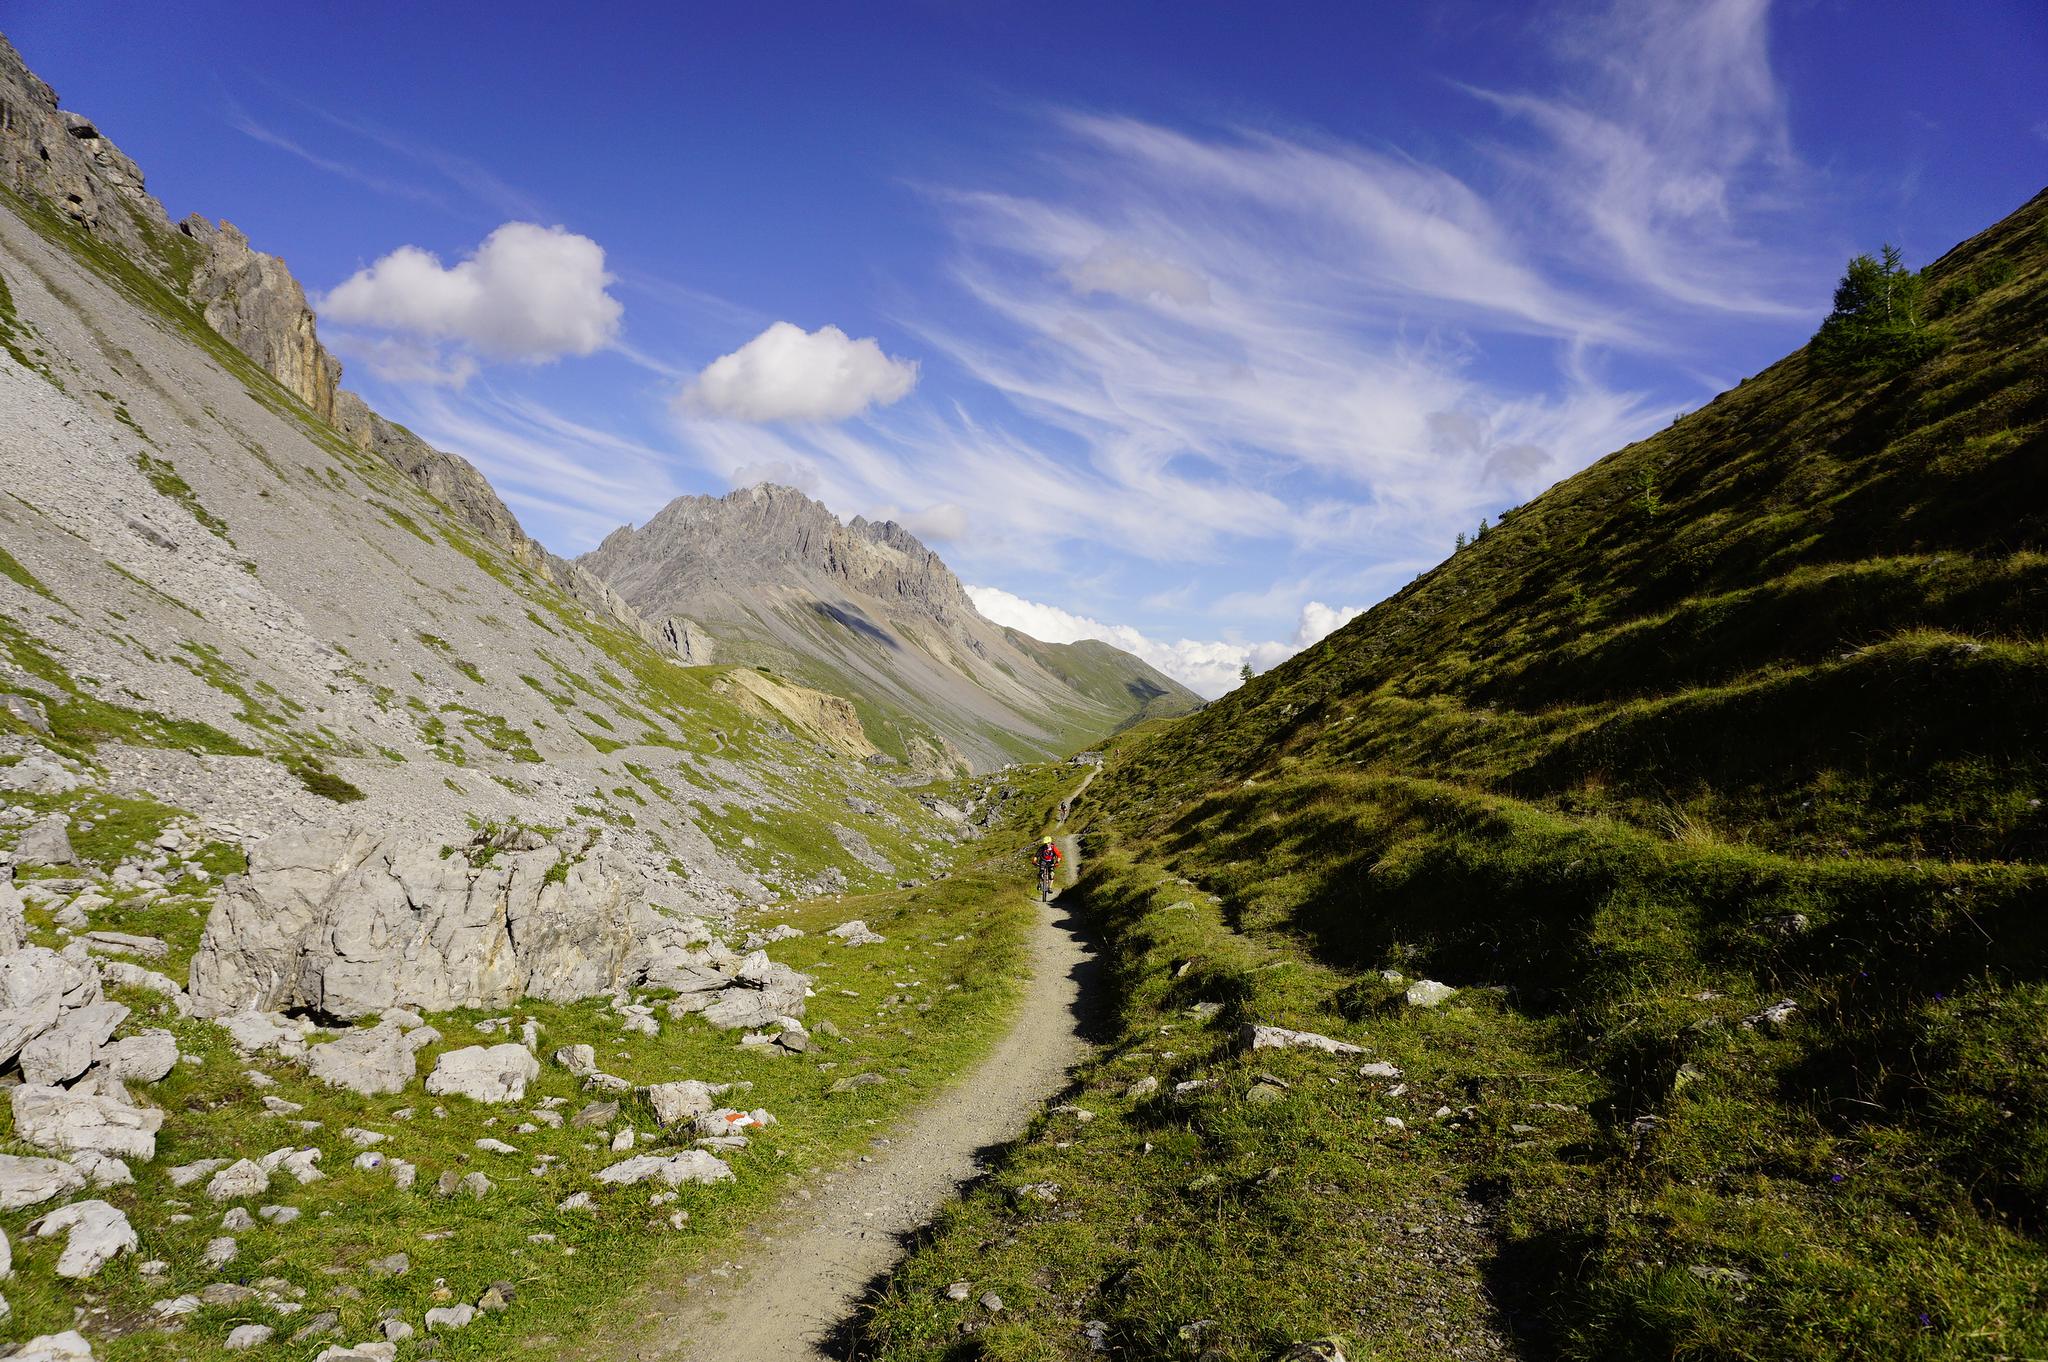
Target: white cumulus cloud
1209, 667
1319, 621
527, 293
789, 374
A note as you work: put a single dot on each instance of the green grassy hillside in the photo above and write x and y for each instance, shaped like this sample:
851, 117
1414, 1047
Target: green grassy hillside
1111, 677
1748, 714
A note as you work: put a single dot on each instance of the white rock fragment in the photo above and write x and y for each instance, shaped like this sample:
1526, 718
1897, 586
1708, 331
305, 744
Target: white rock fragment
32, 1181
103, 1170
98, 1234
857, 933
1258, 1037
690, 1166
238, 1181
69, 1346
185, 1174
446, 1317
1429, 993
255, 1033
484, 1073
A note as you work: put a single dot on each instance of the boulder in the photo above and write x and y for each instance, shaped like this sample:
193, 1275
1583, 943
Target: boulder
152, 946
484, 1073
27, 710
32, 1181
66, 1050
103, 1170
1429, 993
73, 1120
238, 1182
185, 1174
381, 1059
243, 1337
13, 914
674, 1103
727, 1121
693, 1165
857, 933
256, 1033
761, 991
98, 1234
69, 1346
47, 841
37, 774
37, 987
127, 974
442, 1318
577, 1059
348, 923
1257, 1037
144, 1057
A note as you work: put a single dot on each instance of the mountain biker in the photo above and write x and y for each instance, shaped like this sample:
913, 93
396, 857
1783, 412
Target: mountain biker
1046, 856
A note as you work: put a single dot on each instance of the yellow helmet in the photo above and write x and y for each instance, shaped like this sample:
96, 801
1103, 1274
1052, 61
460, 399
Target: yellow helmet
1048, 841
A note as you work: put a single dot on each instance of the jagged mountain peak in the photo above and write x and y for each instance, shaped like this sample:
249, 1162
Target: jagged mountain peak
866, 609
694, 541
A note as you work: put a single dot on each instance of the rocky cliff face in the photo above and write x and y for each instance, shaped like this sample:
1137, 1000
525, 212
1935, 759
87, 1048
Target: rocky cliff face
252, 299
61, 161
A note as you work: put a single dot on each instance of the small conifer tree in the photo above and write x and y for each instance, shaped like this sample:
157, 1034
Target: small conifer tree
1877, 321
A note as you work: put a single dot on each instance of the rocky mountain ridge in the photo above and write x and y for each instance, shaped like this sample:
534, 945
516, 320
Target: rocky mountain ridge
60, 159
864, 608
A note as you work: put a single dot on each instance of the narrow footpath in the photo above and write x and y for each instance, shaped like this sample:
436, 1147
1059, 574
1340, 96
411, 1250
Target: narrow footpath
810, 1264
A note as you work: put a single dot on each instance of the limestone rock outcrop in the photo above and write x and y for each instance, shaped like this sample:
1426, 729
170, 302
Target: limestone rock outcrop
253, 301
345, 923
62, 158
37, 988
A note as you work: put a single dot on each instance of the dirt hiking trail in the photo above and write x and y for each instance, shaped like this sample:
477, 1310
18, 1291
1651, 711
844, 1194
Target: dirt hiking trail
809, 1263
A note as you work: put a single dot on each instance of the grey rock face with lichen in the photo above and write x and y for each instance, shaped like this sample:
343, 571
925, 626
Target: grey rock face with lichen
347, 923
253, 301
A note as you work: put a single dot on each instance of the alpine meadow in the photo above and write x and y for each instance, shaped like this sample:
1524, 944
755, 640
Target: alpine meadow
725, 724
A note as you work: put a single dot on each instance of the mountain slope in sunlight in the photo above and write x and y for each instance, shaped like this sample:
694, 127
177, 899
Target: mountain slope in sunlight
1675, 857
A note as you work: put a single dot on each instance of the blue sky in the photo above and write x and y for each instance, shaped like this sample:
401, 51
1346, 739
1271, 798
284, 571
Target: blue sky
1197, 326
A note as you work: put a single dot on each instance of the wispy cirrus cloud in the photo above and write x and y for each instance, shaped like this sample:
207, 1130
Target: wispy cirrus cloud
241, 121
1169, 356
1671, 152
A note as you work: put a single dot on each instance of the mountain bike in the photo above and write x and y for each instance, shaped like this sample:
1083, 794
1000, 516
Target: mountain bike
1045, 870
